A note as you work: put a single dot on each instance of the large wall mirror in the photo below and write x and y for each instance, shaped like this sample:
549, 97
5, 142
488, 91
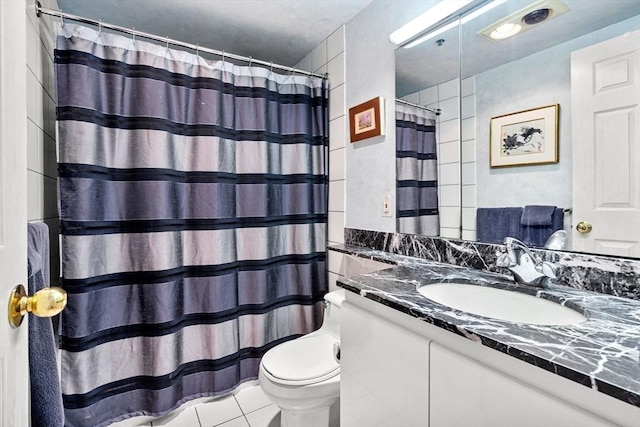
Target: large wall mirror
568, 82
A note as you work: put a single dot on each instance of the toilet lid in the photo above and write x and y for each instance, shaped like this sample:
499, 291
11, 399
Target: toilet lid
303, 360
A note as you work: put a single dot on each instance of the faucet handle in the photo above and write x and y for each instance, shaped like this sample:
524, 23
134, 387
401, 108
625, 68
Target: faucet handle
550, 270
504, 260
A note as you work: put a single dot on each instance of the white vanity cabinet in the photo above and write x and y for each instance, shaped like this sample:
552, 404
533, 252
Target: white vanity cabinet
464, 392
400, 371
384, 372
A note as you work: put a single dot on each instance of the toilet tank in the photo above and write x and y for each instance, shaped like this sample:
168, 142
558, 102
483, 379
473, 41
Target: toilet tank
331, 321
351, 266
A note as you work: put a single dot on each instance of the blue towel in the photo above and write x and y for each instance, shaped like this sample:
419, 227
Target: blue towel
46, 396
537, 216
537, 235
494, 224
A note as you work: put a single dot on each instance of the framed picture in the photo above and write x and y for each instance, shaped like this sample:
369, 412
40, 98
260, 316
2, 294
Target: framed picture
525, 138
367, 119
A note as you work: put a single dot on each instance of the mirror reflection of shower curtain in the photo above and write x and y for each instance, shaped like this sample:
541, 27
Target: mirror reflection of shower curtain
193, 217
416, 171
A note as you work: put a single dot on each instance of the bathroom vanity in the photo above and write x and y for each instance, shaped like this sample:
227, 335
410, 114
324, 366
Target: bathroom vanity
409, 361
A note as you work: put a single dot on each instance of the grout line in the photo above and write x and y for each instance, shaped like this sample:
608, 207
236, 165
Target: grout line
197, 414
241, 410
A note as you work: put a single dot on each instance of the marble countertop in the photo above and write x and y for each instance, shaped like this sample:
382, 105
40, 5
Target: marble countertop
602, 352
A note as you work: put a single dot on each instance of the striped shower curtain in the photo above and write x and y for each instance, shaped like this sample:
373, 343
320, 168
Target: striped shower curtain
416, 171
193, 217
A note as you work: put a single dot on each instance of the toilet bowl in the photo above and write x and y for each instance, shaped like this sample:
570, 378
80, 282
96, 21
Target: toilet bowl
302, 376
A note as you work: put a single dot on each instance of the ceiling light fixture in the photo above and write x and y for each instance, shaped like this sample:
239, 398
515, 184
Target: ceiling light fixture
524, 19
466, 18
505, 30
437, 13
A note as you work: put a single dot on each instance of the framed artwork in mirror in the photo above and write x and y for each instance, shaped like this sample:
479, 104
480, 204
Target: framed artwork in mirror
367, 119
525, 138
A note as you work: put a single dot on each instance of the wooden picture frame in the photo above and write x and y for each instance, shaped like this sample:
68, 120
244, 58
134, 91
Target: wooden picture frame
367, 120
525, 138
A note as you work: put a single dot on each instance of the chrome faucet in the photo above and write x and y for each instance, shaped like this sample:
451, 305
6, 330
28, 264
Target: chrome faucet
525, 266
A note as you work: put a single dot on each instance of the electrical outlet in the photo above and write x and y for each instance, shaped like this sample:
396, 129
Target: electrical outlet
386, 205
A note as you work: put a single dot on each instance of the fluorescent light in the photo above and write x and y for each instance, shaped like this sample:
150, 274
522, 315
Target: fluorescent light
431, 17
465, 19
481, 10
431, 35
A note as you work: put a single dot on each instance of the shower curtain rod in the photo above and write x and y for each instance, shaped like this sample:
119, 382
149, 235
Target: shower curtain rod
433, 110
41, 10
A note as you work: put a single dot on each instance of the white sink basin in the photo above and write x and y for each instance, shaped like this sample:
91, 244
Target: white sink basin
501, 304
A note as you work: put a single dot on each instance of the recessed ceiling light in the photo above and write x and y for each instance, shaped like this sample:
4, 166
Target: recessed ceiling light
505, 30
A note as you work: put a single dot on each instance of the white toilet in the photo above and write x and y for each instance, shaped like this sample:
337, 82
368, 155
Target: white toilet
302, 376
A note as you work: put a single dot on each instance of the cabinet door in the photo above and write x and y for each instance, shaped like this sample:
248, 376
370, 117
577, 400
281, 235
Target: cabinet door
384, 377
466, 393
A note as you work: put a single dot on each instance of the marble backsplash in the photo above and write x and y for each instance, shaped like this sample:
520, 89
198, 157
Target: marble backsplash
605, 274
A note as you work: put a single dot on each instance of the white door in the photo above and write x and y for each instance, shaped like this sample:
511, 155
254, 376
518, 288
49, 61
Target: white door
14, 372
605, 98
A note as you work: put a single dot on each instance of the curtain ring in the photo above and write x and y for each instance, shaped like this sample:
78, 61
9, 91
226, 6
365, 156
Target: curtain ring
61, 20
197, 49
272, 66
167, 42
133, 35
99, 27
250, 61
223, 53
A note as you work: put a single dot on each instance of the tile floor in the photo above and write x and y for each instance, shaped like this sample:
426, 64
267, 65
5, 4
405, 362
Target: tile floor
248, 407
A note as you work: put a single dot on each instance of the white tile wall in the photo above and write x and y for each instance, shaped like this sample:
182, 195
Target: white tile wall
456, 153
336, 101
448, 89
429, 96
449, 174
448, 131
449, 195
338, 133
335, 43
41, 145
319, 56
336, 165
336, 196
449, 152
335, 68
449, 109
469, 159
330, 56
468, 174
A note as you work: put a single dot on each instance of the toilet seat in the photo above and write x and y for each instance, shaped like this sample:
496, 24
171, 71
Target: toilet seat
302, 361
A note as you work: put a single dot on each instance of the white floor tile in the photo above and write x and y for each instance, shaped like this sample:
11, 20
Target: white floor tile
134, 422
238, 422
251, 399
186, 418
268, 416
218, 411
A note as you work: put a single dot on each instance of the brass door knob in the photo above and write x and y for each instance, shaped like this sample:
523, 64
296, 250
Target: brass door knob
584, 227
46, 302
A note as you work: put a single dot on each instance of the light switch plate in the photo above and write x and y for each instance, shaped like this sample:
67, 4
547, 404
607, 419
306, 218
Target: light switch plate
386, 205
